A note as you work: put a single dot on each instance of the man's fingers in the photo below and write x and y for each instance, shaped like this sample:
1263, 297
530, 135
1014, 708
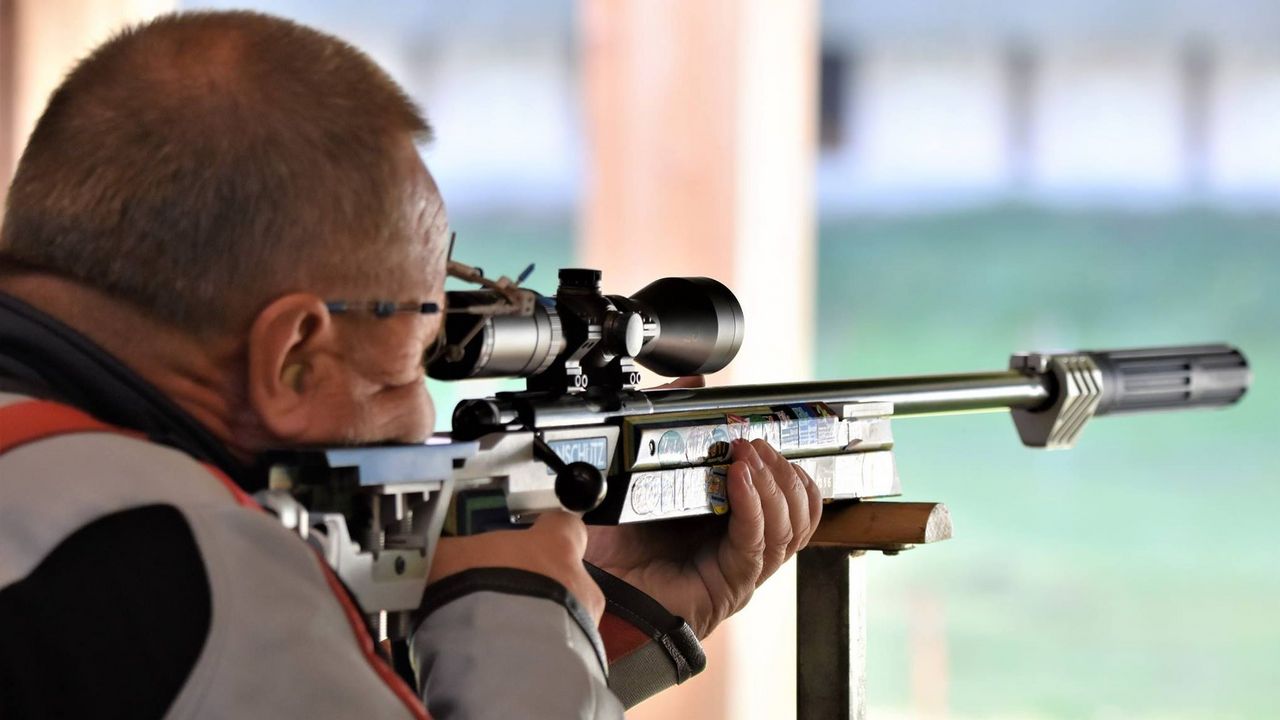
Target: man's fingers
791, 485
773, 505
552, 547
566, 525
568, 533
741, 556
815, 504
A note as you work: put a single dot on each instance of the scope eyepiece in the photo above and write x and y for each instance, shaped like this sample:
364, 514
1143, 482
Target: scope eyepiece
503, 345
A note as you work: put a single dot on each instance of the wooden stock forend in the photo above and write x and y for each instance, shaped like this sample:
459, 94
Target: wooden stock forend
882, 525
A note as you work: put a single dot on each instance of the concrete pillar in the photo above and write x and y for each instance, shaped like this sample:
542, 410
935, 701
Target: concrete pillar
701, 125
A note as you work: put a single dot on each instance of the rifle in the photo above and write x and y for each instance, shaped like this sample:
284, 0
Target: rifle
583, 437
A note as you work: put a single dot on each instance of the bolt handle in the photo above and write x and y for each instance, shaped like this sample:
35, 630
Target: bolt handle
580, 486
1170, 378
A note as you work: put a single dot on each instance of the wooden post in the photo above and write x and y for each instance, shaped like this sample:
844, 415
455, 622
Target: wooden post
831, 620
40, 41
831, 598
701, 130
8, 74
701, 142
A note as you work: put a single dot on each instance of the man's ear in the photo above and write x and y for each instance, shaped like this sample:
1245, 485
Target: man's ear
291, 348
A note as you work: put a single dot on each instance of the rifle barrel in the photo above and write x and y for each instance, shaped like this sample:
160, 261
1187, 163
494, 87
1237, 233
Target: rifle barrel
1117, 381
920, 395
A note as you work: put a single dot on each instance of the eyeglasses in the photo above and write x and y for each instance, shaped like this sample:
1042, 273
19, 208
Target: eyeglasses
387, 308
509, 298
382, 308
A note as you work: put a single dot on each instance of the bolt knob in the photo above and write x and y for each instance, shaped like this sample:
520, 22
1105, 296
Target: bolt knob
580, 487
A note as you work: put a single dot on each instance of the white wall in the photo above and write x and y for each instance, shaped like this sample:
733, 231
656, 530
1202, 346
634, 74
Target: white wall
922, 121
508, 133
1244, 148
1108, 121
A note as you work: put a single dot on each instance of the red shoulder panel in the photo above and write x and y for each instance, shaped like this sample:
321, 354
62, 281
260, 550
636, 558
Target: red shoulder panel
621, 638
31, 420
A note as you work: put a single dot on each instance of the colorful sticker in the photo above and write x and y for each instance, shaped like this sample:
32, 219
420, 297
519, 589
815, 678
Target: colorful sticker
717, 489
719, 450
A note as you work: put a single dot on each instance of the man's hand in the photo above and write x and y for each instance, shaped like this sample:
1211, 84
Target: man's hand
553, 546
705, 569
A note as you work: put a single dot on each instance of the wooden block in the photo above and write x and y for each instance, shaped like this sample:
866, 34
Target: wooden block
882, 525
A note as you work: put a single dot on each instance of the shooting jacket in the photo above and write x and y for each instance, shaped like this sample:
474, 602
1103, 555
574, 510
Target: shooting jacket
138, 578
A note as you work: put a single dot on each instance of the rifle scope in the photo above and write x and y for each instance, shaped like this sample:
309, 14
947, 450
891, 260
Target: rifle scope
581, 337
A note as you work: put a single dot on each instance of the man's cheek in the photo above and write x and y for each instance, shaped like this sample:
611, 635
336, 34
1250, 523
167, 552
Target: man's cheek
408, 413
428, 411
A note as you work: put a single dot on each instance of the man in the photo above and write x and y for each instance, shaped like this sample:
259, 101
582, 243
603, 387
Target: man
196, 192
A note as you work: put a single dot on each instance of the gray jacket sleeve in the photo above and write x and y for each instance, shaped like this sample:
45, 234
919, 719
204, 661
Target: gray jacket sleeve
502, 643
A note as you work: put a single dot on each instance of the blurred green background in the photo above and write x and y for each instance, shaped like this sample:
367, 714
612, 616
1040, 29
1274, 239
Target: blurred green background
1135, 576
